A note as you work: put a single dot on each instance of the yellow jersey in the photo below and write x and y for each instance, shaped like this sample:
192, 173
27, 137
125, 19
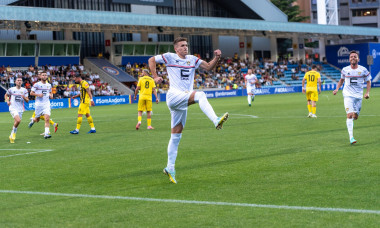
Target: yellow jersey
84, 97
146, 85
312, 80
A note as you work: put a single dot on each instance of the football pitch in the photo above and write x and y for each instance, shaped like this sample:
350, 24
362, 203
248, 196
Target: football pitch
270, 166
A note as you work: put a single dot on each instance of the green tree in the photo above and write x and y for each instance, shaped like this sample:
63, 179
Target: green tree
289, 8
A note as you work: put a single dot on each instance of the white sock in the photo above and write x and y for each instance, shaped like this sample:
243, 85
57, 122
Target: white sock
200, 97
173, 150
91, 128
350, 127
14, 130
46, 130
249, 99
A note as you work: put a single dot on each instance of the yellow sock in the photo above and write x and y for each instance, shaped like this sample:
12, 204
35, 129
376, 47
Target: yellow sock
139, 118
149, 122
34, 115
314, 110
91, 122
42, 117
79, 122
309, 108
51, 122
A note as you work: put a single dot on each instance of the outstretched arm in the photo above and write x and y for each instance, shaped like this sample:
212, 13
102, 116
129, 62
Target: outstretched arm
210, 65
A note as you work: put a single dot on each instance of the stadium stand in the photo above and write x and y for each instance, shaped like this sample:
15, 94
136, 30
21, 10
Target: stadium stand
61, 78
230, 73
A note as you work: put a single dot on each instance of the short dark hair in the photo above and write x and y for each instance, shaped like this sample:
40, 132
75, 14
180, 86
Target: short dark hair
354, 52
314, 66
179, 39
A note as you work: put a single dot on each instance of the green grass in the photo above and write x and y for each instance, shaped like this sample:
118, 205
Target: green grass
279, 158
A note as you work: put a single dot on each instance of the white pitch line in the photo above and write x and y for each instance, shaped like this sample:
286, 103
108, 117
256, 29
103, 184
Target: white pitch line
36, 152
251, 116
285, 207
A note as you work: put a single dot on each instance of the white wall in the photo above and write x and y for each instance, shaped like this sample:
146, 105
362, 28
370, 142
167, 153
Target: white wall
260, 44
143, 9
229, 45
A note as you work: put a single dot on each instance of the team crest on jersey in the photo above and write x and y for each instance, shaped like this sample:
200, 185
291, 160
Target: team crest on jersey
188, 63
359, 73
347, 109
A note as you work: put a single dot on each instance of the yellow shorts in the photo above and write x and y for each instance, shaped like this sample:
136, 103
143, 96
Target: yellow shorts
84, 109
312, 95
144, 105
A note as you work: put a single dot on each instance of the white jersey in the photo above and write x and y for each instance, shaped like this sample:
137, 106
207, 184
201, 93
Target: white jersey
180, 71
45, 89
251, 80
354, 81
17, 102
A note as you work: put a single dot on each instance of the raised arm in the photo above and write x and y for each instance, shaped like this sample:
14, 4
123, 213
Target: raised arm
152, 68
210, 65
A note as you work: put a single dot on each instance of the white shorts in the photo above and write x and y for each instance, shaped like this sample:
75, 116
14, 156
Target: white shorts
14, 113
178, 102
352, 104
251, 89
42, 110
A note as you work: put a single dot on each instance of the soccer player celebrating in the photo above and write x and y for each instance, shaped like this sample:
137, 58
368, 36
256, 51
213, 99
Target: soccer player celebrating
181, 69
354, 77
146, 86
15, 98
313, 79
250, 82
43, 93
84, 107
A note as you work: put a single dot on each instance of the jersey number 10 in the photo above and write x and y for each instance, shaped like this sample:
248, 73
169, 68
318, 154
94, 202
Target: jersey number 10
311, 77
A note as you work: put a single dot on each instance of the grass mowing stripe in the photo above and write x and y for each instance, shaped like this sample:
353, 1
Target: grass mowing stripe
324, 209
